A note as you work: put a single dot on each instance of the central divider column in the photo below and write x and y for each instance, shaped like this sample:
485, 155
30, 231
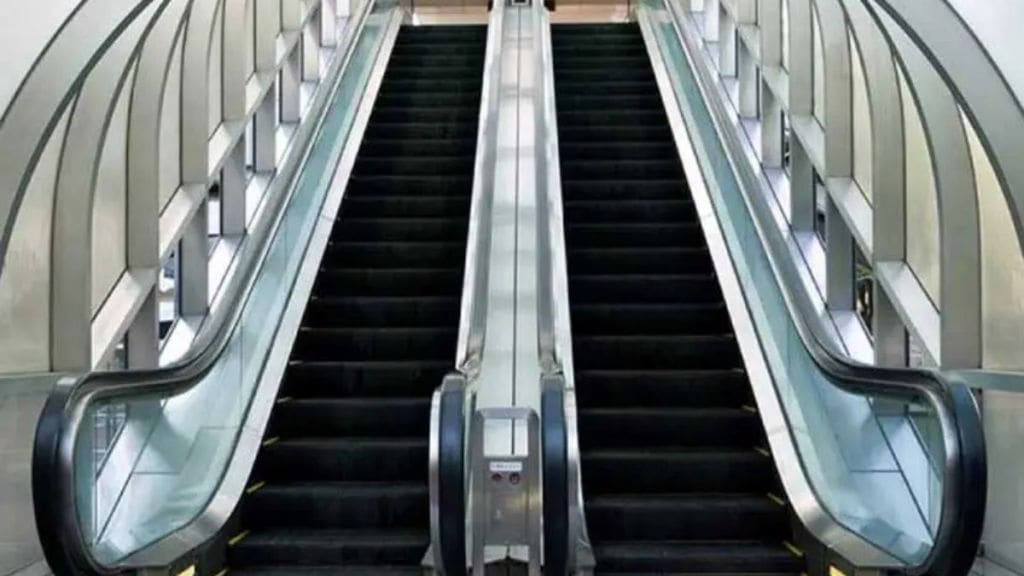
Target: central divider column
505, 487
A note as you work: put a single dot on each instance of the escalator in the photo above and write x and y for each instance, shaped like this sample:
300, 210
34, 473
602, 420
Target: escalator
340, 483
677, 476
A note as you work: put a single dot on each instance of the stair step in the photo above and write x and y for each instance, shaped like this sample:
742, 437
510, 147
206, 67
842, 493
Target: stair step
700, 517
730, 557
419, 165
402, 229
352, 417
452, 189
389, 282
405, 206
643, 260
608, 211
343, 460
395, 254
322, 547
332, 570
338, 505
662, 388
665, 471
381, 147
657, 351
614, 115
383, 312
634, 235
628, 190
363, 379
422, 130
375, 343
617, 152
677, 319
613, 133
643, 288
647, 428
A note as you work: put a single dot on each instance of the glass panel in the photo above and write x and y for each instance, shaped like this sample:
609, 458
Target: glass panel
866, 459
146, 467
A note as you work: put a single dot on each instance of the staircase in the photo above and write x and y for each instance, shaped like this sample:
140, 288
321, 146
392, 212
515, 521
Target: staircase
676, 474
340, 483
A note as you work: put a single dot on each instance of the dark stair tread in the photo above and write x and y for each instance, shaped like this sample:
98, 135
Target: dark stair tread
333, 570
741, 557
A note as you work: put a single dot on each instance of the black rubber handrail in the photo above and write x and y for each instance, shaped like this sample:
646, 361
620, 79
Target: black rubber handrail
555, 463
965, 473
450, 496
62, 415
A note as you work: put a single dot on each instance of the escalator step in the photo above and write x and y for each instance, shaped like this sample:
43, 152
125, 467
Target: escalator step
633, 235
342, 460
352, 417
699, 517
319, 547
662, 388
374, 343
382, 312
657, 351
330, 569
609, 319
386, 206
339, 379
674, 470
645, 428
338, 505
701, 558
389, 282
640, 260
395, 254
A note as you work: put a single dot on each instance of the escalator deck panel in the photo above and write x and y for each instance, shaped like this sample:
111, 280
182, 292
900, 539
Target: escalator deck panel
340, 484
676, 475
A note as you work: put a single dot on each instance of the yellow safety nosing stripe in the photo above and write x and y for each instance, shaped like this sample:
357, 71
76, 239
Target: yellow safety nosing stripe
750, 408
792, 548
270, 441
283, 399
190, 571
255, 487
762, 451
776, 499
238, 538
833, 571
222, 572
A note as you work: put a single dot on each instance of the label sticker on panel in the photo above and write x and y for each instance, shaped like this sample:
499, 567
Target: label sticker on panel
513, 466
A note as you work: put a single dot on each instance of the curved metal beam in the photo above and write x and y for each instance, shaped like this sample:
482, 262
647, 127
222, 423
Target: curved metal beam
195, 80
887, 158
46, 92
838, 107
71, 256
234, 52
955, 184
145, 123
977, 83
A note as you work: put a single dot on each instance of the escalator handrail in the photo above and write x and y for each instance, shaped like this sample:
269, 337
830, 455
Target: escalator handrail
964, 471
63, 413
554, 447
448, 476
